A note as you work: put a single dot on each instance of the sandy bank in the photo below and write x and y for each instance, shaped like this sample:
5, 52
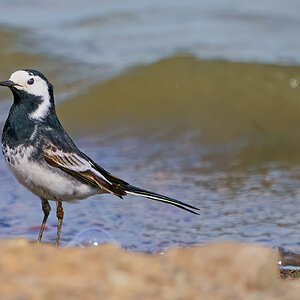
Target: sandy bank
213, 271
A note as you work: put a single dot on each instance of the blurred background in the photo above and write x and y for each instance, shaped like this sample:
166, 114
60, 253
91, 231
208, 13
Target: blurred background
198, 100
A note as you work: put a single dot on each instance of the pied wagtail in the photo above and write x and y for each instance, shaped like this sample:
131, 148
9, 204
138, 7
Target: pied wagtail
44, 158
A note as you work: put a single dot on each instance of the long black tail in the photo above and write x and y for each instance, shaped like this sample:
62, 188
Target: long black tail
130, 189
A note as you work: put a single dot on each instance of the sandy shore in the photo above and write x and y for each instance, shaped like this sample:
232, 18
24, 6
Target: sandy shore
213, 271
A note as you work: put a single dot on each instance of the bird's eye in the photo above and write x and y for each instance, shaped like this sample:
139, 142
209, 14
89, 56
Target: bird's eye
30, 81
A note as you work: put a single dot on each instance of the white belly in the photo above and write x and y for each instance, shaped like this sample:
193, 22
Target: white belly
43, 180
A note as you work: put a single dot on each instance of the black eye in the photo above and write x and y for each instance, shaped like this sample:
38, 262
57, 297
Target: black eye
30, 81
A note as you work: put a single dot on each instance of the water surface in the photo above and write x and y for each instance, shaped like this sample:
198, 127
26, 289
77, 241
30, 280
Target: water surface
170, 97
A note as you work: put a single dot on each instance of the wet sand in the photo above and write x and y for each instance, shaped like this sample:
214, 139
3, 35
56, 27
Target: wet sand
212, 271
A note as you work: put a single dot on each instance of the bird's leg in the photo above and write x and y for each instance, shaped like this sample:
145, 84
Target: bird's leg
46, 209
60, 216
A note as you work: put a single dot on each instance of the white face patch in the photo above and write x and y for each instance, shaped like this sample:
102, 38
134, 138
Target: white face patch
39, 87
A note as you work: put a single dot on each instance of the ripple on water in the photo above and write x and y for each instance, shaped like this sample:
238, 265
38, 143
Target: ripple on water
91, 237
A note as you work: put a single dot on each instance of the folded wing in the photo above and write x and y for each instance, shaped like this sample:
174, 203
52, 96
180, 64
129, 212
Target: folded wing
80, 168
84, 169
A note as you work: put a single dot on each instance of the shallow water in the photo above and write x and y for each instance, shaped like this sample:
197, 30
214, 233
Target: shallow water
252, 204
223, 136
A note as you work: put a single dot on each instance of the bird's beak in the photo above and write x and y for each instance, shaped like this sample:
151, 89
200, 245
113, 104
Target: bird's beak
8, 83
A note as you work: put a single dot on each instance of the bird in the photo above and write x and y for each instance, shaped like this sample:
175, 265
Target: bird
43, 157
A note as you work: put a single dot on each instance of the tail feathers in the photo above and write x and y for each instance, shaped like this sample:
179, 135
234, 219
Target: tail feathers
130, 189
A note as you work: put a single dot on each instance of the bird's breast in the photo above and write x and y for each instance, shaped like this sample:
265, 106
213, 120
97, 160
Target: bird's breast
41, 179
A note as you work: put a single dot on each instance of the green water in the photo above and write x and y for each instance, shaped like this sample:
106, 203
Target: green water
209, 102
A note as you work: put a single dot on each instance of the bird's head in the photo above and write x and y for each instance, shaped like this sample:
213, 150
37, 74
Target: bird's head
31, 82
31, 86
